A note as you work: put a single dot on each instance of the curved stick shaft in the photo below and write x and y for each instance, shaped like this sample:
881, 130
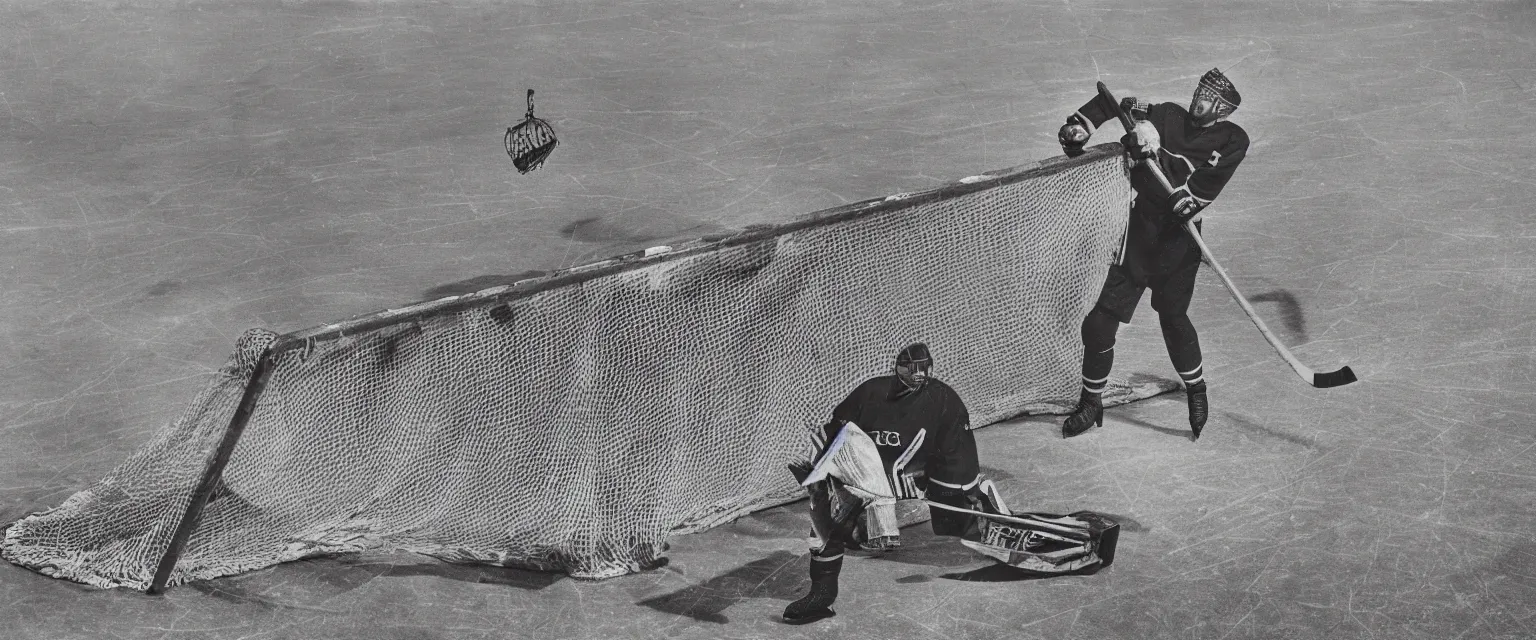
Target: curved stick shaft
1301, 370
1331, 379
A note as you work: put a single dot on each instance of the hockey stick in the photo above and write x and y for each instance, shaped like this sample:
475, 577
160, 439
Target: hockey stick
1337, 378
1074, 533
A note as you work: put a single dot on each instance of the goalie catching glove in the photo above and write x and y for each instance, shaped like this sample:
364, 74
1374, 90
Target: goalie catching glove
1072, 138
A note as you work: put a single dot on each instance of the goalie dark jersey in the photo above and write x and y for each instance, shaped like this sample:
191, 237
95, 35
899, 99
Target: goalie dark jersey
920, 434
1196, 160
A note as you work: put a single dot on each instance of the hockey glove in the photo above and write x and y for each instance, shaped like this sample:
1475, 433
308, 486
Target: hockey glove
1184, 208
1072, 138
1133, 107
1142, 142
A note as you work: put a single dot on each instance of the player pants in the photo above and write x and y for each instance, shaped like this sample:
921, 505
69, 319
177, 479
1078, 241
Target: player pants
1158, 255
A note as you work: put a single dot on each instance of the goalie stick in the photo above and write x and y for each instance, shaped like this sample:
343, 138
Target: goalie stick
1057, 526
1337, 378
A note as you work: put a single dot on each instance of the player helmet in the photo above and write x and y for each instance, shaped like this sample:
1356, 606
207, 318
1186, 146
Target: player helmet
1215, 98
913, 365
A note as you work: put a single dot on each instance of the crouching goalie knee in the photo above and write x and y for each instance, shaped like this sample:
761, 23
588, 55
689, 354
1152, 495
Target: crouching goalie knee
977, 497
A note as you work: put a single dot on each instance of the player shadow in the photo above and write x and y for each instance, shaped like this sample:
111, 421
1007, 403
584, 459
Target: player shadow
1127, 523
1245, 423
1000, 572
779, 576
1291, 314
1182, 433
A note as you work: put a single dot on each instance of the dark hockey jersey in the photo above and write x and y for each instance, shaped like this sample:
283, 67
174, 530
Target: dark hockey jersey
1196, 160
923, 433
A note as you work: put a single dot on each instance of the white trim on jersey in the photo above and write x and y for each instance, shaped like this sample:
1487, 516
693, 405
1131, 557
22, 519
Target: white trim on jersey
1187, 163
965, 487
904, 484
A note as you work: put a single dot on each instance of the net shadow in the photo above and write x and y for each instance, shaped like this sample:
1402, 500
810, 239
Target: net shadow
780, 576
526, 579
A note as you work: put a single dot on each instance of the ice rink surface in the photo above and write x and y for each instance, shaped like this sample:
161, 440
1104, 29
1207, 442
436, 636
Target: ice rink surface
172, 174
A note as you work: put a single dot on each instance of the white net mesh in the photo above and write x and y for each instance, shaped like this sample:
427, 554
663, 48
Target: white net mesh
573, 423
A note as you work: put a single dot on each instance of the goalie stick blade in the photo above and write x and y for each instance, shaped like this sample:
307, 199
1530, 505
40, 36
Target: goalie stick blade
1333, 378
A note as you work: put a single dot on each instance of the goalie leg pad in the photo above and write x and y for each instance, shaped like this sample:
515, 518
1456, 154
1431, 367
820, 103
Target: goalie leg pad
1048, 544
853, 458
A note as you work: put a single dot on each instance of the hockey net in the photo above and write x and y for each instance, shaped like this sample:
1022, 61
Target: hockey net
574, 421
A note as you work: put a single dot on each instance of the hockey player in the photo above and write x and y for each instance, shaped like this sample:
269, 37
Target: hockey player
918, 426
1197, 150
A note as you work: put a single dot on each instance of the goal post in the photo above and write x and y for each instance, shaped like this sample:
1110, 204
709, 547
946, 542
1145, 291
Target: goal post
574, 421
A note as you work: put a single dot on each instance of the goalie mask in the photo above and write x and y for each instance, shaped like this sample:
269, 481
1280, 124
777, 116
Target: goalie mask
1215, 98
913, 365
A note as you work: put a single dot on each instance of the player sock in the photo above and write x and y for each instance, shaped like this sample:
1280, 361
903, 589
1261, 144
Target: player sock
1096, 367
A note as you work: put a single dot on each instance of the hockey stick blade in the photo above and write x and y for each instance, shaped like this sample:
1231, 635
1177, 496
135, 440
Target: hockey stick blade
1333, 378
1319, 380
